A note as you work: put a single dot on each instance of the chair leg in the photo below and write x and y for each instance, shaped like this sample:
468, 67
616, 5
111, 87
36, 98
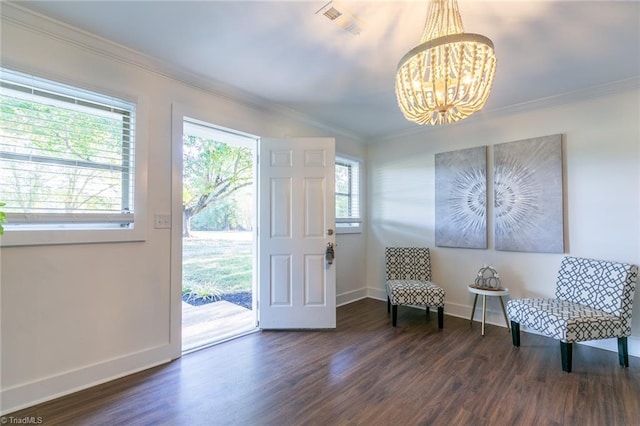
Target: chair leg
388, 304
394, 315
566, 352
427, 308
440, 317
623, 351
515, 333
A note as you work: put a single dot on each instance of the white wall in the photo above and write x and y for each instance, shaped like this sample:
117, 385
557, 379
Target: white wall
76, 315
602, 191
351, 249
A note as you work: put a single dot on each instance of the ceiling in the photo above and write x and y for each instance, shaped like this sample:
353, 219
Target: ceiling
283, 52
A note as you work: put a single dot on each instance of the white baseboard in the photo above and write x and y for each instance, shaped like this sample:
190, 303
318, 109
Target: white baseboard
376, 293
496, 317
29, 394
633, 344
351, 296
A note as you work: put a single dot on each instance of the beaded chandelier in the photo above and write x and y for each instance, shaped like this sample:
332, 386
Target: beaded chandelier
448, 76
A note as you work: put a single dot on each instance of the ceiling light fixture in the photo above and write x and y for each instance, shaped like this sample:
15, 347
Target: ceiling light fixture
448, 76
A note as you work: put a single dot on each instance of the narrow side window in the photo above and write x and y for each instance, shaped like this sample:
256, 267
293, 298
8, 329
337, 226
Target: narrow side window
347, 193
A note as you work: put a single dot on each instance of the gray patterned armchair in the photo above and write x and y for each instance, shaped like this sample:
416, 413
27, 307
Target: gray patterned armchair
408, 281
593, 300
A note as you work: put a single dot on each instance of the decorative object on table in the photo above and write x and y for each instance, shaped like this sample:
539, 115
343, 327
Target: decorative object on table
528, 195
487, 278
448, 76
461, 198
593, 300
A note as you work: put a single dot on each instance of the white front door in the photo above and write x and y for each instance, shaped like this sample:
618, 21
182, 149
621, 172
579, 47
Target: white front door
297, 286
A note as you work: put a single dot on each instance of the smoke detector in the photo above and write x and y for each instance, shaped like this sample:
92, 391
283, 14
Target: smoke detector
337, 13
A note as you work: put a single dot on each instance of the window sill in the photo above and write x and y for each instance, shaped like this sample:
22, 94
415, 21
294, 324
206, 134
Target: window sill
17, 238
344, 228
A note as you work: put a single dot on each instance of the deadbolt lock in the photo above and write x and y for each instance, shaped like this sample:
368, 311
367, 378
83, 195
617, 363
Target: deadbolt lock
329, 253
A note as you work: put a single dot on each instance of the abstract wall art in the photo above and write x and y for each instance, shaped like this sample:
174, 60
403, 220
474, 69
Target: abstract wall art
461, 198
528, 195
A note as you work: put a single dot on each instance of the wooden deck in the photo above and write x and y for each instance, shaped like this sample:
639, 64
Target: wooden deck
214, 322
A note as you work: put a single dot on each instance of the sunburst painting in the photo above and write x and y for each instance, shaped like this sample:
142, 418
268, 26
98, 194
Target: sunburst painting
528, 200
461, 198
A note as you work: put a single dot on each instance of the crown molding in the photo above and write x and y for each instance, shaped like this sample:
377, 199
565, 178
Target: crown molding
41, 24
593, 92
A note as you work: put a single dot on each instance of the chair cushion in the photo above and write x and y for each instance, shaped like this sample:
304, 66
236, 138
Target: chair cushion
414, 292
567, 321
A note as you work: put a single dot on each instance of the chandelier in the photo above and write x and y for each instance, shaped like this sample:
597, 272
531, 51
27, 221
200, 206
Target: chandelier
448, 76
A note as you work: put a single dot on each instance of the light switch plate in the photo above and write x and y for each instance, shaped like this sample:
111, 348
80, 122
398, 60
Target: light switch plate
162, 221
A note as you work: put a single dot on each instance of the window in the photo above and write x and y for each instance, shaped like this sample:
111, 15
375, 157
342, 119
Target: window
347, 195
67, 157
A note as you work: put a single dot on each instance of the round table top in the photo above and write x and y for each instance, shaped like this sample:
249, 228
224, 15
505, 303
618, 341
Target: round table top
488, 292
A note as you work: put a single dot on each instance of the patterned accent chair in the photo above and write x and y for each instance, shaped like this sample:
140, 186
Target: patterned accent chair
408, 281
593, 300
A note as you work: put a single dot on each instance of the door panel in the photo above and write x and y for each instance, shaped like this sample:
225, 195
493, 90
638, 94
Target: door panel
280, 280
314, 200
297, 285
314, 280
280, 208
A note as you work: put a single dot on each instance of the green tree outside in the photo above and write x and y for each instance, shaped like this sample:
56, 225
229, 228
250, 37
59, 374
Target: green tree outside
43, 141
213, 172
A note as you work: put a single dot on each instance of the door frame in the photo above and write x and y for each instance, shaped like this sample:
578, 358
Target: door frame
178, 114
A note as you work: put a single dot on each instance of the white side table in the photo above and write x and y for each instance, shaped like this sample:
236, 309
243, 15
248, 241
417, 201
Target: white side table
484, 292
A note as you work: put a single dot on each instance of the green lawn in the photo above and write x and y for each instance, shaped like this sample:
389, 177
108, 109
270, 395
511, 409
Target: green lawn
216, 263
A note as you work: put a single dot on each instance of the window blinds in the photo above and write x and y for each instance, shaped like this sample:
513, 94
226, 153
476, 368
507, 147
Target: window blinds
66, 155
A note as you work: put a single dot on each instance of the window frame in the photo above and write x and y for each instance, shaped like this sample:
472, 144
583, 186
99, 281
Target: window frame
83, 229
351, 224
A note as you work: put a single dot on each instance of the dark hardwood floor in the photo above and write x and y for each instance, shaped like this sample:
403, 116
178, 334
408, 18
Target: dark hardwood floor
367, 372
